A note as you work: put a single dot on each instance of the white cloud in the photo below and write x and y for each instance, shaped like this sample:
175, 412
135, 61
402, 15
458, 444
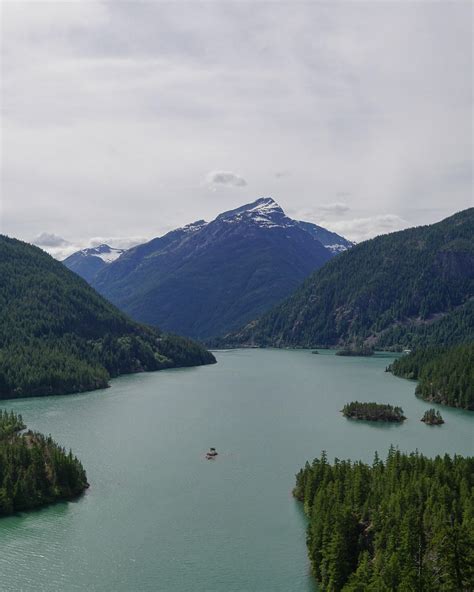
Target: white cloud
336, 208
117, 242
47, 239
60, 248
359, 229
112, 111
226, 178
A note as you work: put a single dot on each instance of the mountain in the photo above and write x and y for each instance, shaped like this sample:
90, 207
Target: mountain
332, 241
395, 290
88, 262
210, 278
58, 336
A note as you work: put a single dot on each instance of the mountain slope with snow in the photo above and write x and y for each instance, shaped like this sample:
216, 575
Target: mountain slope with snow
209, 278
88, 262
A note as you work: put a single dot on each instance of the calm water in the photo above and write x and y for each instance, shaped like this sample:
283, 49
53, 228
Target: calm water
158, 517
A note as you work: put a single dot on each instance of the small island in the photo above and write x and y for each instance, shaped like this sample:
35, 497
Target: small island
432, 417
34, 470
373, 412
363, 351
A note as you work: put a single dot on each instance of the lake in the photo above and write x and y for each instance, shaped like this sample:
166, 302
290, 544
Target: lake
159, 517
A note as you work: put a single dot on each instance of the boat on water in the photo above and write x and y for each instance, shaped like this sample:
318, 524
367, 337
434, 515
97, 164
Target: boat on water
211, 454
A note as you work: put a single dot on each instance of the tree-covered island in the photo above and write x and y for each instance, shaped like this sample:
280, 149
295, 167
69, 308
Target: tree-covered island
432, 417
373, 412
403, 524
34, 470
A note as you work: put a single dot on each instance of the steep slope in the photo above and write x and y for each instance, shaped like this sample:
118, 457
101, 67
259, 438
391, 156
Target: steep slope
57, 335
331, 240
88, 262
207, 279
389, 290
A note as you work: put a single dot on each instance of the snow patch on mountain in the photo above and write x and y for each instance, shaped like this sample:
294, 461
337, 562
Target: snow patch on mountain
337, 248
104, 252
194, 226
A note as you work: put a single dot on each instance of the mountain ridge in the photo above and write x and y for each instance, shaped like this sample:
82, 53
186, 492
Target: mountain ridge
207, 278
58, 335
88, 262
403, 277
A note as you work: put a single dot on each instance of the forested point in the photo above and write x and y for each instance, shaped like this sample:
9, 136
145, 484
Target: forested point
403, 524
58, 336
34, 470
445, 375
373, 411
361, 351
432, 417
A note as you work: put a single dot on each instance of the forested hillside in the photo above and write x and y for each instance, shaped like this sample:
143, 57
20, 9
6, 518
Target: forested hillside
392, 290
58, 336
34, 470
406, 524
445, 375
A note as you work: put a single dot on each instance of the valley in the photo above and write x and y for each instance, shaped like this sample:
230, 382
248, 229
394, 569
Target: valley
158, 514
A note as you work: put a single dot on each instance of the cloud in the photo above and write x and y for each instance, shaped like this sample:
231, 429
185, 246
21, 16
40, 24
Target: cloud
117, 242
108, 104
46, 239
61, 248
226, 178
359, 229
337, 208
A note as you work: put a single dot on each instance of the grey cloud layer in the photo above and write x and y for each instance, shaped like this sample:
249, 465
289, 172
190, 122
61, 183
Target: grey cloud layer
115, 112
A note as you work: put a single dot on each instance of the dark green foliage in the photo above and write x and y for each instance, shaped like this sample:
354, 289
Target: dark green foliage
363, 351
373, 411
432, 417
391, 290
445, 375
58, 336
454, 328
34, 470
406, 524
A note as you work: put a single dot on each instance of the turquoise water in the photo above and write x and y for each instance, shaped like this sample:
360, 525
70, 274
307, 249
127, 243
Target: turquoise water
159, 517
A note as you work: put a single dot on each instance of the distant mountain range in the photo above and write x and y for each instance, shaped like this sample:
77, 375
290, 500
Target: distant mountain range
210, 278
408, 288
58, 336
88, 262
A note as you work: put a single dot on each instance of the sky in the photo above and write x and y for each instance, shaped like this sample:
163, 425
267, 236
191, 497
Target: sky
123, 120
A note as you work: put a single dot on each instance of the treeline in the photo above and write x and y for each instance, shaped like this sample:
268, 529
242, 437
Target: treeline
403, 524
34, 470
445, 375
58, 336
373, 411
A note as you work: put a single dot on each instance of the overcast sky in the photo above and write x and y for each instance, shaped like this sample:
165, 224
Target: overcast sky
124, 120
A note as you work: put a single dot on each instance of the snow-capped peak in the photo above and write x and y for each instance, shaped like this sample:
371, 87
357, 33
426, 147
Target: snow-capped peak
265, 206
263, 212
104, 252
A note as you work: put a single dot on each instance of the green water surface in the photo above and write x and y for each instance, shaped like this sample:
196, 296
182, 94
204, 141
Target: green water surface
159, 517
